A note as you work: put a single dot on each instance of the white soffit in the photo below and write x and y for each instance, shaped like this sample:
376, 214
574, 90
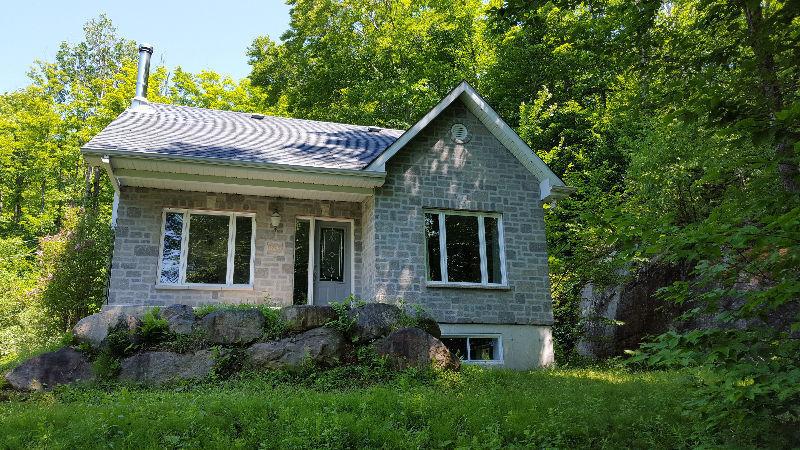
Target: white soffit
549, 182
194, 176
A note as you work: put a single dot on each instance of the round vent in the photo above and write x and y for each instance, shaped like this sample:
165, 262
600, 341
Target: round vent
459, 133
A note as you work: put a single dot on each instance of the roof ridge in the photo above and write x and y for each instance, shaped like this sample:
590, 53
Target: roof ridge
250, 113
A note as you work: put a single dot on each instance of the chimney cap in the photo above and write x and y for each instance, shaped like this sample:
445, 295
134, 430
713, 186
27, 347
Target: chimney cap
146, 48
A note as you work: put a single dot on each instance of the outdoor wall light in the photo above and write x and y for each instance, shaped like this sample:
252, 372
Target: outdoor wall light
275, 220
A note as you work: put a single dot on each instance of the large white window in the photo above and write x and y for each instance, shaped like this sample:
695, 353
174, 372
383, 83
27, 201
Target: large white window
465, 248
206, 248
486, 349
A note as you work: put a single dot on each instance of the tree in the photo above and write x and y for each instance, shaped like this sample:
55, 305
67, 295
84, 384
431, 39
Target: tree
369, 61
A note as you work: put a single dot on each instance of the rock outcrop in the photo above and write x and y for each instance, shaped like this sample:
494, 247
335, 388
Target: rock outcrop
375, 320
94, 329
233, 326
51, 369
117, 332
162, 367
306, 317
181, 318
324, 346
412, 347
430, 326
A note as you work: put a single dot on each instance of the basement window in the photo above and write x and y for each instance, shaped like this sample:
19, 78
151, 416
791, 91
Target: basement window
484, 349
206, 249
464, 249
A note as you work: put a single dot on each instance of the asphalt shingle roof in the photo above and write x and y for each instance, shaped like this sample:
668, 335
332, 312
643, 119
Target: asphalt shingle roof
169, 130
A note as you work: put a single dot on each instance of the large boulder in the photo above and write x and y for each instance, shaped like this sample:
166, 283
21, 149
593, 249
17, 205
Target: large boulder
233, 326
181, 318
162, 367
375, 320
95, 328
306, 317
412, 347
429, 325
49, 370
322, 345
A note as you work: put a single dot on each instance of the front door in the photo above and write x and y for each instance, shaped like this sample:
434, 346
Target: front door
331, 261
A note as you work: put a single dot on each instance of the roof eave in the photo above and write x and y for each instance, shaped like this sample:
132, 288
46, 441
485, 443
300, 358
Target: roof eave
95, 153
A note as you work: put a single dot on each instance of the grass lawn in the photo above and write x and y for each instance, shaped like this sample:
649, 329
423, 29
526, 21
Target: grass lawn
476, 408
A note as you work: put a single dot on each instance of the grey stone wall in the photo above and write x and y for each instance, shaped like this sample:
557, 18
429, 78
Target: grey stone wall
481, 175
135, 262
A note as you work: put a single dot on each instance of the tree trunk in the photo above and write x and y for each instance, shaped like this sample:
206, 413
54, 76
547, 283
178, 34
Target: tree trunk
19, 186
767, 75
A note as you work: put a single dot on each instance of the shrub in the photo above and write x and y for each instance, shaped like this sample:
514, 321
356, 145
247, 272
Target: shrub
748, 379
106, 366
154, 328
227, 362
344, 323
185, 343
274, 325
75, 267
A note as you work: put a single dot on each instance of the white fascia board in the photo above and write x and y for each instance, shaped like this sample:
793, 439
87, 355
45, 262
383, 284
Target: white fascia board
496, 125
379, 164
105, 161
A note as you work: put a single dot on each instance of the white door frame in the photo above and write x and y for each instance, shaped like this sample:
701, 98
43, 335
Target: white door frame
312, 252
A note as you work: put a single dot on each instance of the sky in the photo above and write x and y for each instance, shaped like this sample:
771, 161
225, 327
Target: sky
196, 35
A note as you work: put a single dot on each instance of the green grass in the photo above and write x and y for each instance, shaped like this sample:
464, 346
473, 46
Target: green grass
476, 408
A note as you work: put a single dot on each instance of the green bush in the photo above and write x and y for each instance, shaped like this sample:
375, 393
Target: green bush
184, 343
344, 323
154, 329
106, 366
227, 362
747, 379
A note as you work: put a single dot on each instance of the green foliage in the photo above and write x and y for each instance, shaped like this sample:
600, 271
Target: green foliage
344, 322
274, 325
227, 362
75, 265
367, 62
154, 328
24, 324
750, 378
106, 366
184, 343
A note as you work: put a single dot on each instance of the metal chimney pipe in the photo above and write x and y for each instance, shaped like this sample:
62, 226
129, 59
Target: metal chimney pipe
143, 72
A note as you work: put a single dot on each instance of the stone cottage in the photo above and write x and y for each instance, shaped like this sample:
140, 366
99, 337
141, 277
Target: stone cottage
219, 206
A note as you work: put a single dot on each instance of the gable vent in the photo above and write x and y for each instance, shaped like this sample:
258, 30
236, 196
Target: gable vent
459, 133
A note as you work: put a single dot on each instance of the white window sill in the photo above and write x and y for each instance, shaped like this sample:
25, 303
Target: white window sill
206, 287
484, 363
442, 284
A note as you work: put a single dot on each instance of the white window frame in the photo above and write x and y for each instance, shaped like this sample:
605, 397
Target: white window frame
500, 353
185, 233
312, 223
484, 283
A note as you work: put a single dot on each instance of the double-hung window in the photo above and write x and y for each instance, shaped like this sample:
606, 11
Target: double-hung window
206, 248
465, 248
